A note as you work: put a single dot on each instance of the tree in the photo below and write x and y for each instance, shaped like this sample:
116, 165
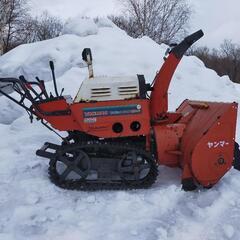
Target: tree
13, 23
45, 27
161, 20
230, 54
17, 26
225, 61
2, 15
2, 23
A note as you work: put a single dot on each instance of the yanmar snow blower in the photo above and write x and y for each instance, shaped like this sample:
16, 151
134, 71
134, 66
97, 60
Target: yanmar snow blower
118, 134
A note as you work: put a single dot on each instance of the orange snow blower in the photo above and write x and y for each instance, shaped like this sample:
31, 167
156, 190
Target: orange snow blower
118, 134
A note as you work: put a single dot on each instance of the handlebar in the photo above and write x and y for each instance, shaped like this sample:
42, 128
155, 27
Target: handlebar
25, 90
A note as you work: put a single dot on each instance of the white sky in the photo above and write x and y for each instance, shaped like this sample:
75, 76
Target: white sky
69, 8
219, 19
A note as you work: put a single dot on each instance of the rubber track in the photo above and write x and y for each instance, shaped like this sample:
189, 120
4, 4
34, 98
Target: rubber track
94, 185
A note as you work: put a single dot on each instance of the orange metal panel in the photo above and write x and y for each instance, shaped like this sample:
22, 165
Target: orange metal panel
99, 121
168, 143
98, 118
61, 123
208, 141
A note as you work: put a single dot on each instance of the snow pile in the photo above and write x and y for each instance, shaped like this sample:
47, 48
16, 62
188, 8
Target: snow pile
80, 26
33, 208
104, 22
32, 60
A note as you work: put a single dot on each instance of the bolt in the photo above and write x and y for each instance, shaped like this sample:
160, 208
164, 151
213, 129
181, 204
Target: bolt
221, 161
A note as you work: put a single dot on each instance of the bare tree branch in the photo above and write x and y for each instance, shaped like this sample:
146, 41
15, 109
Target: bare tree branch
225, 61
17, 26
161, 20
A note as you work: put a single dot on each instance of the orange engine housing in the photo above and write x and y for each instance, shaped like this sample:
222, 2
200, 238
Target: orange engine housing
107, 119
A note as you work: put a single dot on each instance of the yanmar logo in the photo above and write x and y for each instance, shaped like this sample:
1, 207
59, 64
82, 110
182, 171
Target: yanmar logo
218, 144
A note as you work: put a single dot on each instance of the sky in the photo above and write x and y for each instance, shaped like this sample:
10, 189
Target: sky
220, 19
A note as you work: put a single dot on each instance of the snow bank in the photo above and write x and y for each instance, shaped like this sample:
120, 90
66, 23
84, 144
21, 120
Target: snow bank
33, 208
80, 26
9, 111
104, 22
32, 60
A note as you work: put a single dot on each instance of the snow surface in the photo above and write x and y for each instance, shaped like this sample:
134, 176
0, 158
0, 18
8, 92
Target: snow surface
82, 28
32, 208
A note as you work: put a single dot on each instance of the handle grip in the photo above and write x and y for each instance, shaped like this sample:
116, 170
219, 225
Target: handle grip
87, 52
51, 64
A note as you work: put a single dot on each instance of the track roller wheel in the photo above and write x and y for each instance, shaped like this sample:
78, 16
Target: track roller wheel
71, 165
134, 166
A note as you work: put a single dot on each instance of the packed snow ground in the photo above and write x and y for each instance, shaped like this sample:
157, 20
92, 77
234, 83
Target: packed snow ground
32, 208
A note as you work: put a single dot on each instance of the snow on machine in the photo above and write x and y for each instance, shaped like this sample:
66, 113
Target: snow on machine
118, 134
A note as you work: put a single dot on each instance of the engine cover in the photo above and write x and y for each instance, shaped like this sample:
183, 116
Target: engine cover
108, 88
